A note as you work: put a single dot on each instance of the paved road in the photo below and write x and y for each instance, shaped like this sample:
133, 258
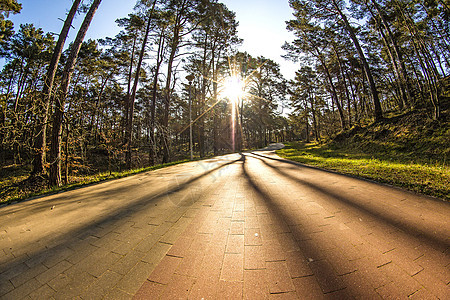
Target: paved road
248, 226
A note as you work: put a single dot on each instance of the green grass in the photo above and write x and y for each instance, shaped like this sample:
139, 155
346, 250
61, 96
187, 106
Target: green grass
13, 191
426, 178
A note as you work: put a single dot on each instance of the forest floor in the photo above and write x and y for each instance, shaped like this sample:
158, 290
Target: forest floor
409, 151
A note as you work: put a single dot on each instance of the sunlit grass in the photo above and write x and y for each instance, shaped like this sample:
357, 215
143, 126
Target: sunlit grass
427, 178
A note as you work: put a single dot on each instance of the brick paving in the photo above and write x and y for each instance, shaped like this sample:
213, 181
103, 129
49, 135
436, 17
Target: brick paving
248, 226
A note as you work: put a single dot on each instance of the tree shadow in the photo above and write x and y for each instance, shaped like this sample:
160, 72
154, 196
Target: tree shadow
327, 278
60, 242
414, 228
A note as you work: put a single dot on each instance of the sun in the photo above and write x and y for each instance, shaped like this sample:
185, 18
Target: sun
233, 88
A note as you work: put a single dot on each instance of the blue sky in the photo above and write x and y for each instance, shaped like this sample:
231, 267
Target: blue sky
261, 23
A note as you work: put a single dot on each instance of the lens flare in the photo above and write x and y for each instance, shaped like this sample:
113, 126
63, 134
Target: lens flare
233, 88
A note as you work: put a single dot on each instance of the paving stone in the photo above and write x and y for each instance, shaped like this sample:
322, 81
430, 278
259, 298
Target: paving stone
102, 285
28, 274
200, 242
433, 284
376, 258
284, 296
127, 262
230, 290
371, 273
434, 262
81, 252
392, 291
172, 235
190, 265
181, 247
150, 290
97, 263
408, 265
278, 278
23, 290
5, 286
165, 269
252, 237
53, 272
422, 294
233, 267
311, 251
237, 227
273, 251
297, 265
255, 284
238, 216
134, 279
401, 279
118, 294
251, 222
327, 278
288, 242
254, 258
16, 270
156, 254
61, 280
178, 288
268, 233
106, 239
359, 287
235, 244
205, 287
44, 292
341, 265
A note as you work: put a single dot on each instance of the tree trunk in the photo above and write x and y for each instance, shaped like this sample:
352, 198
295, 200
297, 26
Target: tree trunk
378, 113
55, 150
168, 91
154, 94
341, 68
334, 94
40, 141
403, 75
129, 130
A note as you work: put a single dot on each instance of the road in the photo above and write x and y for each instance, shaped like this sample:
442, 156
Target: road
248, 225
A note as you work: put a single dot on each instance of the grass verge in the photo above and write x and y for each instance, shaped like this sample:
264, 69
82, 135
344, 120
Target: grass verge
428, 179
14, 189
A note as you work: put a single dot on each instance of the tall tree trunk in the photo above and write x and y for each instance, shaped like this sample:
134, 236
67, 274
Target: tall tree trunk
154, 94
127, 97
334, 94
405, 82
314, 117
168, 91
201, 125
40, 140
347, 96
55, 149
129, 131
378, 113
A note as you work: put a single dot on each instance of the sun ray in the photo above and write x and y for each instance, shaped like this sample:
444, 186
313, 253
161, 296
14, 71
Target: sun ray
196, 119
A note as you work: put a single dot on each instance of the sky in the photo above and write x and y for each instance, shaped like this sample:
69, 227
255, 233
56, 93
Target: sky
261, 23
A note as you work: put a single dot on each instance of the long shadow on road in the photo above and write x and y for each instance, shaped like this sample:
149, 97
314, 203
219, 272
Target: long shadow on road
72, 236
324, 273
412, 228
